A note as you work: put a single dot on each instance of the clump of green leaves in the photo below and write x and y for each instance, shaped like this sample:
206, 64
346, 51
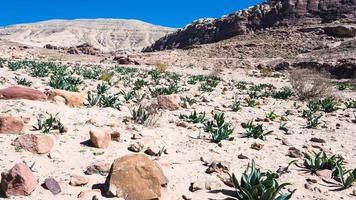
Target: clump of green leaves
347, 177
68, 83
139, 115
139, 83
283, 93
350, 104
328, 105
313, 121
255, 131
341, 86
194, 117
271, 116
128, 95
218, 128
92, 99
319, 161
23, 81
46, 125
235, 106
251, 102
257, 185
171, 89
110, 101
102, 89
187, 101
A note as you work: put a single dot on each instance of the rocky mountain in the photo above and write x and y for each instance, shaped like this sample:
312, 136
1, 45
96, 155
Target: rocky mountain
272, 13
104, 34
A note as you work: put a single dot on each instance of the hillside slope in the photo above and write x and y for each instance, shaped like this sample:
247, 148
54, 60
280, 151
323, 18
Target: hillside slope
104, 34
273, 13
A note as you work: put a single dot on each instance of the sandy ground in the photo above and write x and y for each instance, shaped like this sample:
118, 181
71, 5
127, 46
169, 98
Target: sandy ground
182, 165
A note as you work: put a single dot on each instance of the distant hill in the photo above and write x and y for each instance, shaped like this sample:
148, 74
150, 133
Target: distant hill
104, 34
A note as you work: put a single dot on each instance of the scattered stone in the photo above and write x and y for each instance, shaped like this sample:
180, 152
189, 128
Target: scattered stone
286, 142
182, 124
186, 197
317, 140
100, 138
169, 102
219, 167
16, 92
72, 99
11, 125
198, 185
256, 146
98, 168
136, 177
136, 147
311, 180
343, 31
52, 185
325, 173
241, 156
38, 144
18, 181
136, 136
294, 153
149, 151
115, 136
76, 180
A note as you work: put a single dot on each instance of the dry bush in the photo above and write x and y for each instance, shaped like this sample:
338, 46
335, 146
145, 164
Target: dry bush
161, 67
266, 72
310, 84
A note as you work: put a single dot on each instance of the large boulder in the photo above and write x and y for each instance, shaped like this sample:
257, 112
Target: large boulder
11, 124
15, 92
168, 102
38, 144
72, 99
341, 31
18, 181
136, 177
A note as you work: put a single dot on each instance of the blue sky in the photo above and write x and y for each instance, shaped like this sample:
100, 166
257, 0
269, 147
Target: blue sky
173, 13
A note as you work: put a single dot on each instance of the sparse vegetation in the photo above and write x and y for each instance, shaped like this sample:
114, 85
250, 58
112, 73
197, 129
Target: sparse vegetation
139, 115
46, 125
255, 131
23, 81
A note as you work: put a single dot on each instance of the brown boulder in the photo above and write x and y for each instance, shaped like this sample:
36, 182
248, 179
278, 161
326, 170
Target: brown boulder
72, 99
341, 31
136, 177
10, 124
38, 144
168, 102
15, 92
18, 181
100, 138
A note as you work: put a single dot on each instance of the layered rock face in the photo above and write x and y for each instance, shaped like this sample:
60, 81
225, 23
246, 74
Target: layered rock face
262, 16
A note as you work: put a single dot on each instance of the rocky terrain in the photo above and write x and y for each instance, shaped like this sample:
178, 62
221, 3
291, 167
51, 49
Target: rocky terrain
104, 34
77, 122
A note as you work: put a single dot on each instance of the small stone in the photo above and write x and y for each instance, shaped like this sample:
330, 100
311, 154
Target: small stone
10, 124
76, 180
136, 147
182, 124
136, 136
219, 167
317, 140
195, 186
241, 156
100, 138
169, 102
294, 153
98, 168
187, 197
256, 146
312, 180
286, 142
52, 185
115, 136
38, 144
151, 152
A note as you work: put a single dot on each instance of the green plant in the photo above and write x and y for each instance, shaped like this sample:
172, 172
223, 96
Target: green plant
255, 131
171, 89
251, 102
313, 121
139, 83
188, 101
46, 125
102, 88
320, 161
347, 178
328, 105
39, 71
350, 104
194, 117
111, 101
139, 115
258, 185
283, 93
68, 83
128, 95
23, 81
218, 128
271, 116
235, 106
242, 85
93, 100
341, 86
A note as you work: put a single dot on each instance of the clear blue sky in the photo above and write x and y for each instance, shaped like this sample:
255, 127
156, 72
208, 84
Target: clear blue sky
173, 13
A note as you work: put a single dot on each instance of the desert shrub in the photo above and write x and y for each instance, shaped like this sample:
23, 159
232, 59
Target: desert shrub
351, 104
327, 105
102, 88
92, 100
46, 125
283, 93
313, 121
347, 177
218, 128
128, 95
139, 115
235, 106
68, 83
257, 185
255, 131
194, 117
171, 89
251, 102
110, 101
310, 84
188, 101
161, 67
319, 161
271, 116
139, 83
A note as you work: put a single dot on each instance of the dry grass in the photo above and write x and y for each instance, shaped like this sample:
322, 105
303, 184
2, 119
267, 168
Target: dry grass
161, 67
310, 84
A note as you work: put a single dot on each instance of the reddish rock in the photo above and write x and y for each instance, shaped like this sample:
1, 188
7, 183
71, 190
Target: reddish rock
10, 124
136, 177
16, 92
38, 144
168, 102
98, 168
18, 181
115, 136
100, 138
76, 180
